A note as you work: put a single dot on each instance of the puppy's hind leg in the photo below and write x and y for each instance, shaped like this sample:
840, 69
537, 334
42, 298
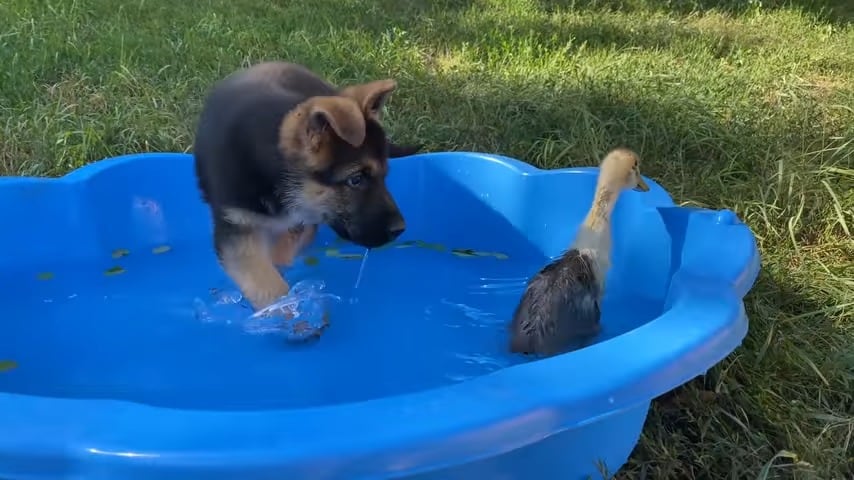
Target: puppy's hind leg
245, 255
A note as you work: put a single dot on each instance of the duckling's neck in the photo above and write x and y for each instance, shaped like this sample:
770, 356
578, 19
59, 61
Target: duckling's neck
598, 220
594, 236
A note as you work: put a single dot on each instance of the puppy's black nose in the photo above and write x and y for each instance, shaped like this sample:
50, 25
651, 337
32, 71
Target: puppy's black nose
396, 227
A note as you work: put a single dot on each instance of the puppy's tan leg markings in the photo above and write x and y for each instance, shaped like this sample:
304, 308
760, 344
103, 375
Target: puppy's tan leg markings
284, 249
306, 237
289, 244
246, 258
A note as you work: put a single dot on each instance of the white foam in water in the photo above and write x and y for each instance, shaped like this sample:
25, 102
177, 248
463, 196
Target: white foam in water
298, 315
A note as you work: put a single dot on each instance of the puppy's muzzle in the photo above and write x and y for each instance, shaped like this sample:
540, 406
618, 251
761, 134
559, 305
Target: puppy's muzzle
382, 230
395, 228
387, 231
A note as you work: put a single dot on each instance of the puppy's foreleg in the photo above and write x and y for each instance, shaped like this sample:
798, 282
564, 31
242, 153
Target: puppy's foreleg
289, 244
245, 256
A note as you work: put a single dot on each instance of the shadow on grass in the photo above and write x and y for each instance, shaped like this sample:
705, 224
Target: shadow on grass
683, 143
407, 40
460, 26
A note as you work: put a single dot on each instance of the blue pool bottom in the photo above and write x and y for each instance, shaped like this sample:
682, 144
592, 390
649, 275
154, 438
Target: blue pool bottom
165, 351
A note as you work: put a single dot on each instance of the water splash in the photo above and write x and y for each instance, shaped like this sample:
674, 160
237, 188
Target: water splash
216, 311
361, 269
513, 286
299, 315
473, 365
227, 297
477, 317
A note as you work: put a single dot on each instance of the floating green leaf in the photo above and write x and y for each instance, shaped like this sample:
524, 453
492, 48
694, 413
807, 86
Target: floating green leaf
120, 252
311, 261
498, 255
464, 252
117, 270
161, 249
334, 252
468, 252
432, 246
6, 365
45, 275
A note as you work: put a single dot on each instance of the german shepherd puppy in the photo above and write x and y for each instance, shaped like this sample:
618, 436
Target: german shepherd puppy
278, 151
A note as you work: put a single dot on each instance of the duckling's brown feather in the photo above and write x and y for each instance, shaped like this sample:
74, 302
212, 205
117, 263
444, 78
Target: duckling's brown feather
560, 309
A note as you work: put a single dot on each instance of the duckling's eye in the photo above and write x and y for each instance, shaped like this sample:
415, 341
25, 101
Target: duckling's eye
355, 180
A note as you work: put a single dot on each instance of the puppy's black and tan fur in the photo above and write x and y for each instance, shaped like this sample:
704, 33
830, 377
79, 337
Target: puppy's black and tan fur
279, 151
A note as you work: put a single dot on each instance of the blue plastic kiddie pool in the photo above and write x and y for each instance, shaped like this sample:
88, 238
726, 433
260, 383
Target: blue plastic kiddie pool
123, 356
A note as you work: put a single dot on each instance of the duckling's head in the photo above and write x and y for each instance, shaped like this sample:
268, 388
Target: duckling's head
620, 170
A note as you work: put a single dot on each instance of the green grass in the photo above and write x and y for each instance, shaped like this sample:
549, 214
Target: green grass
747, 105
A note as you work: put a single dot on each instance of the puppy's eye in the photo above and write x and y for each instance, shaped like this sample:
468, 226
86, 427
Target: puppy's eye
355, 180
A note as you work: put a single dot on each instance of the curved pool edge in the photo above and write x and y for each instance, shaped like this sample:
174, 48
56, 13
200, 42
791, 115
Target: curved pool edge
444, 426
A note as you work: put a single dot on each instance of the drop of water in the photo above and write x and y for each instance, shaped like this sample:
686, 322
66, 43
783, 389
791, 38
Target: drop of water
201, 311
361, 269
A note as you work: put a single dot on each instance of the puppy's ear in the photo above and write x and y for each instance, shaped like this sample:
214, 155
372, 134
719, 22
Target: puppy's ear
340, 114
371, 96
397, 151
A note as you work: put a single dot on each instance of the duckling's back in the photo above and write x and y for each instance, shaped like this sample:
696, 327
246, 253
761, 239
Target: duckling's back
560, 309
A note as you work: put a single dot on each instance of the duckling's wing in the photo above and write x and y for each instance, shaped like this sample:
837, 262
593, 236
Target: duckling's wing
534, 319
559, 308
579, 311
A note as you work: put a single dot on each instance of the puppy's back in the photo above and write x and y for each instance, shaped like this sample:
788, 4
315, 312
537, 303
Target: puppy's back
238, 131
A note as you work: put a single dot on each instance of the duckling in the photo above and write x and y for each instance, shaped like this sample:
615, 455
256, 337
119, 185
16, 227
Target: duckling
560, 309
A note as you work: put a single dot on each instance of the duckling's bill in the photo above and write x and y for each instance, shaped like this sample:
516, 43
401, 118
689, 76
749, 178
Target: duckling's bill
641, 186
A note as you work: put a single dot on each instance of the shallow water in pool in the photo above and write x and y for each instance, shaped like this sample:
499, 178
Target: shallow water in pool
138, 334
